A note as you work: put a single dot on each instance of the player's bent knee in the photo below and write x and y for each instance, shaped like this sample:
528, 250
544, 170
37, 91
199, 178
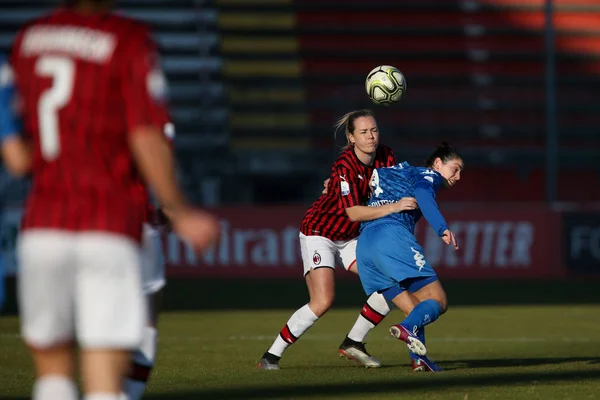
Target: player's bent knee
320, 308
443, 302
56, 360
321, 305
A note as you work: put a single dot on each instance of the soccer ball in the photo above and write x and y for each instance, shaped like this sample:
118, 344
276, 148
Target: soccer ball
385, 85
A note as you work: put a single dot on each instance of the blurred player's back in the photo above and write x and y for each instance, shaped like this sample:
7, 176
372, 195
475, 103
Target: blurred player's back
80, 97
92, 100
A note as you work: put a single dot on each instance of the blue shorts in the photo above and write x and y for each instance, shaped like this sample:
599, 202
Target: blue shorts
390, 261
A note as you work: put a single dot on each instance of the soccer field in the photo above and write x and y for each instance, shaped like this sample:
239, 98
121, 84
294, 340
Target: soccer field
489, 352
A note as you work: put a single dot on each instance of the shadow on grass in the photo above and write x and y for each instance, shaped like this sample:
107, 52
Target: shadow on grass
437, 382
451, 365
403, 384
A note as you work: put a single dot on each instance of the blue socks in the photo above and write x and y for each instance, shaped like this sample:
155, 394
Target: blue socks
423, 314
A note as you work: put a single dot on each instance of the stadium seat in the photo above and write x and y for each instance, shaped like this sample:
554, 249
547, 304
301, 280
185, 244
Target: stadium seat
186, 32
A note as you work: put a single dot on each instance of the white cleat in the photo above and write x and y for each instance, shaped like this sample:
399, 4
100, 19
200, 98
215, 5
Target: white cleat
356, 351
413, 342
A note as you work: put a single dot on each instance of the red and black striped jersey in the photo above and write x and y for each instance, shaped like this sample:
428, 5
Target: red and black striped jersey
86, 82
348, 187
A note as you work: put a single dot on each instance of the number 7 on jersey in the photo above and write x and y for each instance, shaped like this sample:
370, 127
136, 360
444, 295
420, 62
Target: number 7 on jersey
62, 72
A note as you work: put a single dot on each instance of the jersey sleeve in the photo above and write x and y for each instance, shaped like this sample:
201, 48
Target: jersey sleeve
144, 85
425, 189
9, 123
349, 189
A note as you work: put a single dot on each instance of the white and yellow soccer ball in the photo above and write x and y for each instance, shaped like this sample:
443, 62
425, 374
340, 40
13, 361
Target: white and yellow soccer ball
385, 85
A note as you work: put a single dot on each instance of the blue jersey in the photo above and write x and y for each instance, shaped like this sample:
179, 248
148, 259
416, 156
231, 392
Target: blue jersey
8, 128
8, 122
391, 184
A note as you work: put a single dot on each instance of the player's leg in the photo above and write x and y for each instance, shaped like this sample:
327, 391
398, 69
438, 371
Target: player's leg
153, 280
318, 256
372, 313
45, 291
411, 262
141, 361
432, 302
432, 291
395, 260
423, 314
321, 288
428, 292
111, 312
391, 264
406, 304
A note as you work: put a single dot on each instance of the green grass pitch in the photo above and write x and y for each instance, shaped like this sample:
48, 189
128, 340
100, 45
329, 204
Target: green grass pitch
489, 352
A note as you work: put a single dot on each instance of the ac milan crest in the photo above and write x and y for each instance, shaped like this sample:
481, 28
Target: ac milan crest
316, 258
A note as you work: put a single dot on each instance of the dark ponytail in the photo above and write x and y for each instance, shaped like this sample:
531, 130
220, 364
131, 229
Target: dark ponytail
444, 152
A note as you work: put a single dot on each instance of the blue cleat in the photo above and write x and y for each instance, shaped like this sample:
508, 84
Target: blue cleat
424, 364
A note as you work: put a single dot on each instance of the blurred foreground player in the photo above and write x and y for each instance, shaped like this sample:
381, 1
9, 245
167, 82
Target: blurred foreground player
93, 103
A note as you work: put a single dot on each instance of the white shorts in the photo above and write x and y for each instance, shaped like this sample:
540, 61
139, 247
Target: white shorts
153, 261
83, 285
319, 252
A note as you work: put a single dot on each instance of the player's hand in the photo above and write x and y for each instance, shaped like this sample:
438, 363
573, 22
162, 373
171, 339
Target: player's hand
405, 204
197, 228
449, 238
325, 183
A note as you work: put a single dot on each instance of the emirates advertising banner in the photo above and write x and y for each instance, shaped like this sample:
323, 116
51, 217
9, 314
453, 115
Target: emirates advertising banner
262, 242
494, 243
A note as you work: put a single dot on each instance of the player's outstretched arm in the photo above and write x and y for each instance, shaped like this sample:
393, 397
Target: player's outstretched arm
431, 212
155, 161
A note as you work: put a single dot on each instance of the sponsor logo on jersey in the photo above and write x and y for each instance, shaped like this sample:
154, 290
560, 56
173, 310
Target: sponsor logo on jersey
344, 186
377, 190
